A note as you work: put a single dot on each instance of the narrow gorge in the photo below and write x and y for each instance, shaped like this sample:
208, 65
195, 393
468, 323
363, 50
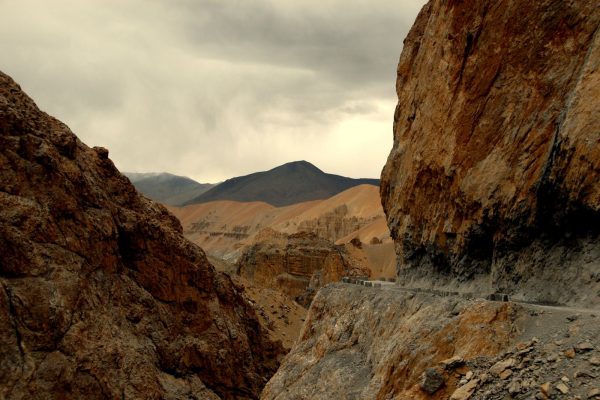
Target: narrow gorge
491, 187
236, 291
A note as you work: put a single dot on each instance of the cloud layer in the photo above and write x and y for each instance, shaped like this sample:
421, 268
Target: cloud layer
215, 88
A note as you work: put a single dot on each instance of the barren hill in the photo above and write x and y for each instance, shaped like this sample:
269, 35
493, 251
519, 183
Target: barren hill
167, 188
225, 228
287, 184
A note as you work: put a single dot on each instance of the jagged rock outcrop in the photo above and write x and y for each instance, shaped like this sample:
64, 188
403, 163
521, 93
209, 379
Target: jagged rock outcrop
493, 179
335, 224
100, 294
297, 265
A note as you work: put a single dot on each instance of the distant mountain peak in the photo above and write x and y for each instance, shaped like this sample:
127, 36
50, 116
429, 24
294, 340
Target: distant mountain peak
302, 164
167, 188
287, 184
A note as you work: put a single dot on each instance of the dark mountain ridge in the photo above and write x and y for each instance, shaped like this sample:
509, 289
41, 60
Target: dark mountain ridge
167, 188
290, 183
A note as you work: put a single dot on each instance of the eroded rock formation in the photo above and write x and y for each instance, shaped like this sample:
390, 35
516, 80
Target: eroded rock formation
389, 343
100, 294
493, 177
297, 265
366, 343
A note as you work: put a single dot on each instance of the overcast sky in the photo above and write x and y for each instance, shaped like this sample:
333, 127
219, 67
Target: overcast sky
212, 89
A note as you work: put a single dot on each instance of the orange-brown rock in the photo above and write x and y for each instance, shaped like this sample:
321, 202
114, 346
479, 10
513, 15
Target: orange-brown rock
297, 265
100, 294
367, 343
493, 179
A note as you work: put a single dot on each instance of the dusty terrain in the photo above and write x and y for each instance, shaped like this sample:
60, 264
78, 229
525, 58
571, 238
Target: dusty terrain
255, 243
281, 316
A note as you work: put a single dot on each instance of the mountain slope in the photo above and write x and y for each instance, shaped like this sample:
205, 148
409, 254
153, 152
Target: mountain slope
287, 184
100, 294
167, 188
224, 228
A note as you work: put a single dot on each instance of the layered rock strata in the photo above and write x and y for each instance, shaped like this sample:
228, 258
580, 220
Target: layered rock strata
100, 294
297, 265
492, 182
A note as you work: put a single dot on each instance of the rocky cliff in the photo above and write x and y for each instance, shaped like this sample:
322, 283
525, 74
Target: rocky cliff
100, 294
364, 343
492, 182
388, 343
297, 265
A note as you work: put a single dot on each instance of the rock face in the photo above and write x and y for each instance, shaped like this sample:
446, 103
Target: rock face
100, 294
336, 224
366, 343
493, 177
297, 265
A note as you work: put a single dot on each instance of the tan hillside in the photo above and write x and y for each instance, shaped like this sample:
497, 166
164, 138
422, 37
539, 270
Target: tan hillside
225, 228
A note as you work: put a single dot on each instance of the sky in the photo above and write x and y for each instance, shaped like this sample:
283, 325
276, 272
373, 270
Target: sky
213, 89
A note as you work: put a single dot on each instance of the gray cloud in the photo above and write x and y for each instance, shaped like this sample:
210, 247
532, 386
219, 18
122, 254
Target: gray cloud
215, 88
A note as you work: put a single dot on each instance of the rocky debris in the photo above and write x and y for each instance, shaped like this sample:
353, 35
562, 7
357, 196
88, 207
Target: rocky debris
492, 182
297, 265
466, 391
375, 241
385, 344
584, 347
452, 363
100, 294
356, 243
378, 344
537, 369
432, 380
564, 389
502, 366
279, 315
